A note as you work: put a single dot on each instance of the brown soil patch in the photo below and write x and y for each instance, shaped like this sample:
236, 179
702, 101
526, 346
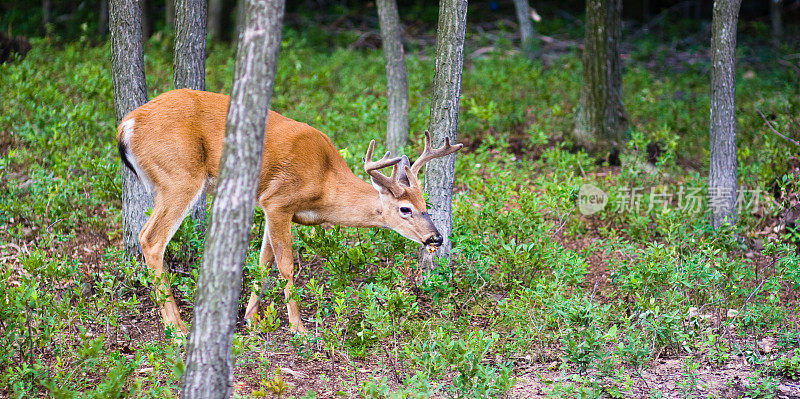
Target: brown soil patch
6, 142
87, 246
665, 376
327, 375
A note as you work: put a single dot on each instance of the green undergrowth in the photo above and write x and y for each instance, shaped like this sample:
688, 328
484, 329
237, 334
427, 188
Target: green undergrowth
533, 280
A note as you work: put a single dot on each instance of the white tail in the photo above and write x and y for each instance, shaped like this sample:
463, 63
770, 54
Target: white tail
174, 143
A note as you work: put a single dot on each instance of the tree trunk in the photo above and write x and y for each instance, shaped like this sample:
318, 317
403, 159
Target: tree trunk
169, 14
722, 174
102, 19
208, 368
190, 64
396, 82
448, 65
600, 119
45, 14
775, 8
526, 31
241, 18
215, 19
190, 44
145, 20
130, 91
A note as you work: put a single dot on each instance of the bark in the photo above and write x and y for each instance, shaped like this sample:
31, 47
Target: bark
130, 91
722, 174
145, 20
190, 45
190, 64
102, 19
775, 8
525, 25
215, 19
645, 11
396, 82
448, 65
208, 368
45, 14
241, 18
600, 119
169, 14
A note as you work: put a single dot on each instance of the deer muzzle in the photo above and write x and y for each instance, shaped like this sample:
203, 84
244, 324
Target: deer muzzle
434, 242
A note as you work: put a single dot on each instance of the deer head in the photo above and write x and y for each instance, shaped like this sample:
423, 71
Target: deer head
402, 206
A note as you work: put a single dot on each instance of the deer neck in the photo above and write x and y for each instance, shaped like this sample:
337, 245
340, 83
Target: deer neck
355, 203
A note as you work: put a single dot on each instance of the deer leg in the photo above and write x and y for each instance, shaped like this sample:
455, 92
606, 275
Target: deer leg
280, 232
266, 259
169, 210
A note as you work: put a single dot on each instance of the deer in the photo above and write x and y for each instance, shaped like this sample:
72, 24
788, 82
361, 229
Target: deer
173, 144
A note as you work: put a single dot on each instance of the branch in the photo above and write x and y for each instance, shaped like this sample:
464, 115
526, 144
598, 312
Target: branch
795, 142
657, 19
789, 64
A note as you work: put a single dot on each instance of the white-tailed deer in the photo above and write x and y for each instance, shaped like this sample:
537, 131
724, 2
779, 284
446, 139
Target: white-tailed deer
174, 143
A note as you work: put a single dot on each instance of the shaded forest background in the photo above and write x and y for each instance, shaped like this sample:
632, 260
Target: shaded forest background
71, 19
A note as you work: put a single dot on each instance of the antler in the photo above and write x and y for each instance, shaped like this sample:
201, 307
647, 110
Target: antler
428, 153
373, 169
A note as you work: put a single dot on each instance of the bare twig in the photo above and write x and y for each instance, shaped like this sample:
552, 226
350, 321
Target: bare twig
792, 118
572, 18
392, 364
741, 308
795, 142
657, 19
581, 166
596, 281
789, 64
797, 332
639, 373
563, 222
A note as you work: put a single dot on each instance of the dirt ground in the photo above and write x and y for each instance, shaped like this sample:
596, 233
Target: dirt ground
337, 376
661, 377
342, 378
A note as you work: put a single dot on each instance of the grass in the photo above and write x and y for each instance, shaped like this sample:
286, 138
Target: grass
537, 293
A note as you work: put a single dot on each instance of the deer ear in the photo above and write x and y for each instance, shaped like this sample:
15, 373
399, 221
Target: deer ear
402, 172
395, 192
391, 189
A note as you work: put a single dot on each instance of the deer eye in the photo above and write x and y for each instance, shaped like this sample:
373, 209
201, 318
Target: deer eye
405, 211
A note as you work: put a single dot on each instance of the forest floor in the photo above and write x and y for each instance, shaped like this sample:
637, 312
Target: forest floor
302, 370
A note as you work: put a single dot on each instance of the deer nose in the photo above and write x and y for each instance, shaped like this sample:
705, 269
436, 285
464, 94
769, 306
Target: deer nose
435, 239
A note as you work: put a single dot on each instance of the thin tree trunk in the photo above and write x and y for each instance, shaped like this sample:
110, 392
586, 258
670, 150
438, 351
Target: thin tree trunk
208, 368
190, 64
45, 12
526, 30
102, 20
145, 20
190, 45
241, 18
215, 19
600, 119
130, 91
169, 14
722, 174
645, 12
775, 8
396, 82
448, 65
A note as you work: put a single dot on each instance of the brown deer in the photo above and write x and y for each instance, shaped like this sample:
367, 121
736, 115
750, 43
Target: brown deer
173, 144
